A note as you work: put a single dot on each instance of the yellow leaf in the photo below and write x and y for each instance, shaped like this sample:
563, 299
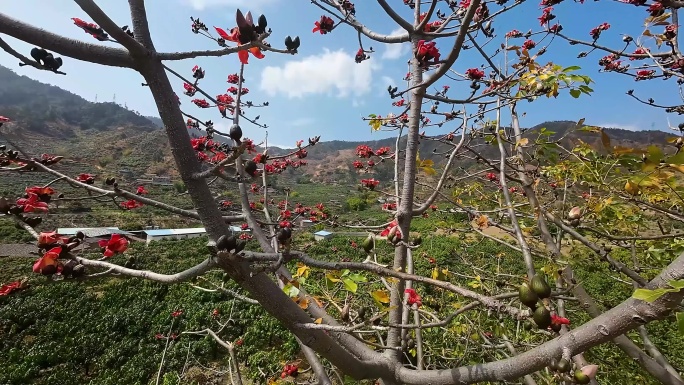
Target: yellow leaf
318, 321
302, 270
381, 296
332, 278
677, 167
429, 170
303, 303
522, 142
375, 124
632, 188
482, 222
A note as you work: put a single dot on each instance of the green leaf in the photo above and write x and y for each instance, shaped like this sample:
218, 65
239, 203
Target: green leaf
676, 159
291, 290
680, 323
649, 295
575, 93
678, 284
572, 68
349, 284
356, 277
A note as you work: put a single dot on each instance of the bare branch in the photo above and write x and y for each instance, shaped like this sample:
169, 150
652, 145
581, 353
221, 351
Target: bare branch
75, 49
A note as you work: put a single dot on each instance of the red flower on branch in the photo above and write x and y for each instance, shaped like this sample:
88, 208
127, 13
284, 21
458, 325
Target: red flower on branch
91, 28
323, 26
47, 264
116, 244
130, 204
32, 203
413, 298
529, 44
364, 151
201, 103
141, 190
370, 183
234, 36
596, 32
86, 178
474, 74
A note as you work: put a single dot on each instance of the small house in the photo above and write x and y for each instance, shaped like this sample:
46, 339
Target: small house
321, 235
306, 223
160, 234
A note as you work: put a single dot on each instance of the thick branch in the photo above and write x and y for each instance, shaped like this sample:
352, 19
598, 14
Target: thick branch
72, 48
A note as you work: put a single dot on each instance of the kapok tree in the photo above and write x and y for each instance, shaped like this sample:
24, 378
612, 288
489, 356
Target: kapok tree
437, 35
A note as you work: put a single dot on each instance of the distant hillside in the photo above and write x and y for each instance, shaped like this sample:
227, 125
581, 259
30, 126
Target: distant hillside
110, 137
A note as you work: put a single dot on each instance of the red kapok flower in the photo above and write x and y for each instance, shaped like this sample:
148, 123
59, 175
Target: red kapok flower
47, 239
130, 204
116, 244
32, 203
47, 264
91, 28
4, 119
141, 190
11, 287
474, 74
176, 313
556, 320
38, 190
529, 44
413, 298
370, 183
234, 36
86, 178
323, 26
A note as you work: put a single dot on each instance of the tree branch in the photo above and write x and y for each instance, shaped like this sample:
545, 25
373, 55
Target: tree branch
75, 49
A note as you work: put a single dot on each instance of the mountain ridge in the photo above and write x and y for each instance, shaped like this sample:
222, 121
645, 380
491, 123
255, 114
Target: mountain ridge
50, 119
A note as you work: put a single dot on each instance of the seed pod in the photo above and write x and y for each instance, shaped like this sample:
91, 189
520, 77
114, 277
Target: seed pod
542, 317
527, 296
563, 365
540, 287
368, 244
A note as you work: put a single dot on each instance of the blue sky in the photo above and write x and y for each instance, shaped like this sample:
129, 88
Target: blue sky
321, 91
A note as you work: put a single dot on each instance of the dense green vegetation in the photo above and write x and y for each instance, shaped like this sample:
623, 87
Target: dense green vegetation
102, 331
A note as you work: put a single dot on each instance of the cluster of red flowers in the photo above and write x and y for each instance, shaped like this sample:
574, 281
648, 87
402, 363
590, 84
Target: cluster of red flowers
612, 63
202, 144
546, 16
427, 53
130, 204
474, 74
234, 79
596, 32
389, 206
644, 74
370, 183
413, 298
233, 90
290, 370
514, 33
431, 26
529, 44
278, 166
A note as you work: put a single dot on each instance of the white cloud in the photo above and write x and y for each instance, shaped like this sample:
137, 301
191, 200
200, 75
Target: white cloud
332, 72
201, 5
396, 50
